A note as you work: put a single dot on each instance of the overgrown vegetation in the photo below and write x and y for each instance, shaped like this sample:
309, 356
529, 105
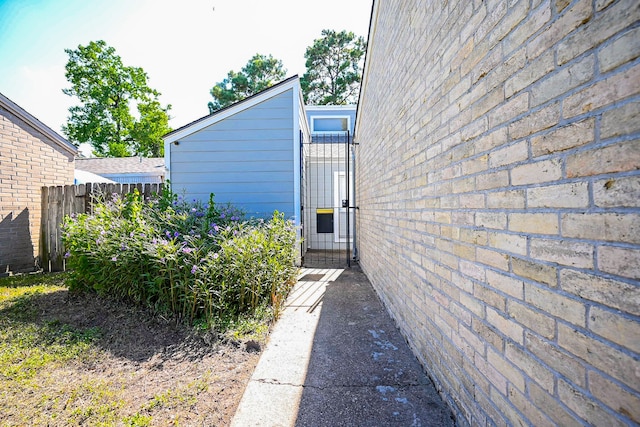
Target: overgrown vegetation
203, 263
74, 352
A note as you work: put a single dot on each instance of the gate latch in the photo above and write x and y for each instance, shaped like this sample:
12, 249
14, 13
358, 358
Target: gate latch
345, 203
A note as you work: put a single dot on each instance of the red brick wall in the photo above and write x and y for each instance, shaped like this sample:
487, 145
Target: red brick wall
28, 161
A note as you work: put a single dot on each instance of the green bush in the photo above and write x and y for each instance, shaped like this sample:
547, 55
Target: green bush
200, 262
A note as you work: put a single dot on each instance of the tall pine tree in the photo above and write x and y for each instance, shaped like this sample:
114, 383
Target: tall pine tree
334, 69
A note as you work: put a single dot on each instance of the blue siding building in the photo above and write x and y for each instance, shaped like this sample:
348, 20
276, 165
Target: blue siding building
247, 154
270, 152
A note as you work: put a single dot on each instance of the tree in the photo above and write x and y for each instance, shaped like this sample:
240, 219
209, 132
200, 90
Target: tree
148, 131
107, 89
258, 74
334, 69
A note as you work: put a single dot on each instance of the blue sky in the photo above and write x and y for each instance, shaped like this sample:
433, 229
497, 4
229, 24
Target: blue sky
184, 46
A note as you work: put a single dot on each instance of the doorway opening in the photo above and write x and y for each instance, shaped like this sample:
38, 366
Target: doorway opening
328, 210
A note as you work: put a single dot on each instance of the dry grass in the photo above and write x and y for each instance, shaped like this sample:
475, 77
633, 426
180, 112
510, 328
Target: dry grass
70, 359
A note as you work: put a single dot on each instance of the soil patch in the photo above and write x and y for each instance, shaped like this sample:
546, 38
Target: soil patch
141, 370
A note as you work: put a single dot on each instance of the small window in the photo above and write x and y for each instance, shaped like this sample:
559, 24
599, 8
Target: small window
330, 124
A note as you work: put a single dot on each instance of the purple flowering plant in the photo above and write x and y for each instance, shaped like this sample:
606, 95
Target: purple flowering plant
200, 262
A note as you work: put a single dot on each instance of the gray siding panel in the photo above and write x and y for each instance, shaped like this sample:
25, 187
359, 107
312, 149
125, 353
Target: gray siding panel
208, 135
237, 177
283, 102
257, 113
235, 166
268, 188
233, 145
230, 156
246, 159
259, 123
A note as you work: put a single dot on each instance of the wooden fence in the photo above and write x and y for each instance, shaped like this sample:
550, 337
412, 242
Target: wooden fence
60, 201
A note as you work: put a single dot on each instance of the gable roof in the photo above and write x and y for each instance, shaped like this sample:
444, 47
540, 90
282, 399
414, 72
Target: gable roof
232, 109
18, 111
118, 165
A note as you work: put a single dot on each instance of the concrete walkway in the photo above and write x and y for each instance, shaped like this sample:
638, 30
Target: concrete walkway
335, 358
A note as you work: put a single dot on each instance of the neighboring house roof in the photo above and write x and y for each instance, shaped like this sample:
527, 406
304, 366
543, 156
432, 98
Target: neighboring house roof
232, 109
120, 165
83, 177
18, 111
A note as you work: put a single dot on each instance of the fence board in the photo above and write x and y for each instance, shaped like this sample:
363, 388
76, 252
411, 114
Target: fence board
79, 204
59, 202
58, 214
44, 230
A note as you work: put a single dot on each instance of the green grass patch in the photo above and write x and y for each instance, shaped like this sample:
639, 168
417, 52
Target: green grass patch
58, 368
29, 343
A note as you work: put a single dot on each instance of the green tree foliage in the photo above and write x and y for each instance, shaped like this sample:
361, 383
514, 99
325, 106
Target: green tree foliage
107, 90
258, 74
334, 68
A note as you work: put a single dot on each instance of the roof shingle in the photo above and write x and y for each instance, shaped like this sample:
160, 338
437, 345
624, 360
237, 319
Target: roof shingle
100, 165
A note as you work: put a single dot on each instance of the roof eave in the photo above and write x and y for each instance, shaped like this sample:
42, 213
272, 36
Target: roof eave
232, 109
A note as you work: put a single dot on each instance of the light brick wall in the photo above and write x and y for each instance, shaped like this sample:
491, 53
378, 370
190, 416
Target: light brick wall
498, 181
28, 161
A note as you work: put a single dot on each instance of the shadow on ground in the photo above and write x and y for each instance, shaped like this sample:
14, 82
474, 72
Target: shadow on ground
138, 367
361, 371
124, 331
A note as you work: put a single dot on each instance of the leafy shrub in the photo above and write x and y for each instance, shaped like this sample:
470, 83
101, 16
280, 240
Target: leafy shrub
197, 261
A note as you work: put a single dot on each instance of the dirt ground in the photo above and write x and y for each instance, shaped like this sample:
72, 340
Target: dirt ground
144, 370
